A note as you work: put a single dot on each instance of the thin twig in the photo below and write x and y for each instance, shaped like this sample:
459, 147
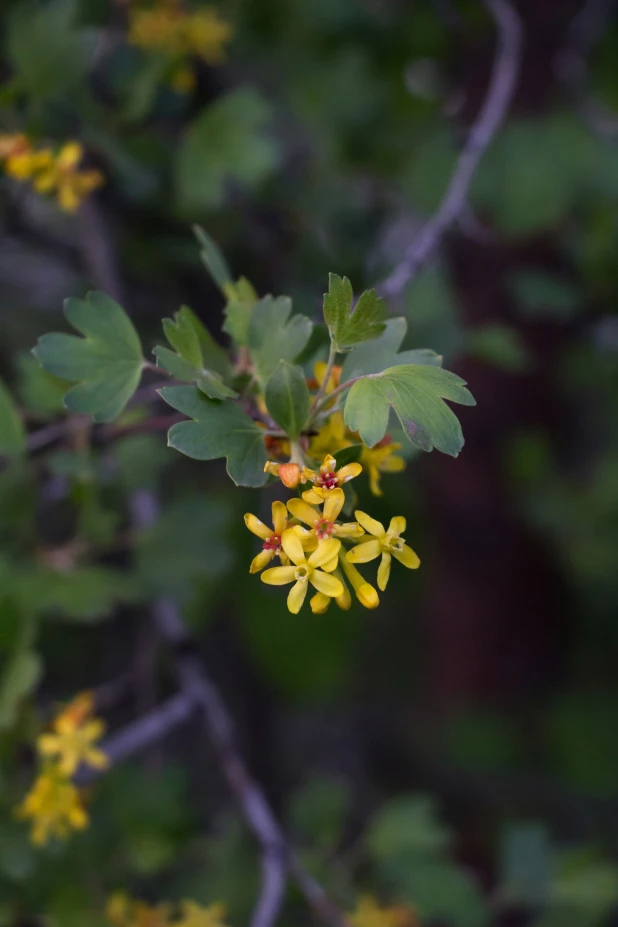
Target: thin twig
277, 856
140, 734
501, 88
332, 354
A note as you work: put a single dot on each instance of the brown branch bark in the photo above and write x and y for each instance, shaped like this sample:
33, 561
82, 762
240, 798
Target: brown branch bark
493, 112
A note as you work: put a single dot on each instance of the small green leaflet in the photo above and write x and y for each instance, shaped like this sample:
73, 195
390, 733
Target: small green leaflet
12, 433
348, 327
198, 355
287, 399
21, 674
416, 393
218, 429
213, 259
274, 336
105, 365
377, 355
241, 298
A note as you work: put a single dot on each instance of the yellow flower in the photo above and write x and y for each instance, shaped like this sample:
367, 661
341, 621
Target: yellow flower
21, 160
319, 372
323, 524
319, 602
206, 35
63, 177
331, 437
369, 914
183, 79
305, 571
123, 911
381, 459
54, 806
193, 915
170, 29
365, 592
327, 479
270, 536
387, 543
74, 737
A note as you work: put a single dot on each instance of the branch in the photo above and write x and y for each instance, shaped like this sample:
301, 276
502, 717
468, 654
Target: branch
277, 856
140, 734
499, 95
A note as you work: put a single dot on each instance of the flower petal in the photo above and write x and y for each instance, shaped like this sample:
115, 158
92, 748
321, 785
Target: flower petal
258, 527
319, 603
330, 565
374, 481
334, 504
280, 517
296, 596
48, 744
384, 570
364, 552
311, 496
350, 529
326, 583
261, 560
325, 552
393, 464
279, 576
348, 472
408, 557
370, 524
397, 525
303, 511
367, 596
293, 546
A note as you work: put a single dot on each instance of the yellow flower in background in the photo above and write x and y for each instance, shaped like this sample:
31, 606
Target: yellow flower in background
123, 911
169, 28
369, 914
53, 804
387, 543
305, 571
21, 160
328, 478
194, 915
364, 591
381, 459
330, 438
74, 736
271, 537
63, 177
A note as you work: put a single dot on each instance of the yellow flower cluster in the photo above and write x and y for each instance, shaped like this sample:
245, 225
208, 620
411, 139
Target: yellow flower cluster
123, 911
310, 545
180, 34
369, 913
54, 804
50, 173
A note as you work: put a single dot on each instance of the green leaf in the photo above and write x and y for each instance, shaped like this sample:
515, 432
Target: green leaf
348, 327
218, 429
319, 809
238, 310
213, 259
499, 344
542, 295
526, 864
442, 893
224, 144
377, 355
12, 432
39, 391
274, 336
85, 594
287, 398
408, 826
348, 455
46, 51
416, 394
106, 363
19, 677
198, 356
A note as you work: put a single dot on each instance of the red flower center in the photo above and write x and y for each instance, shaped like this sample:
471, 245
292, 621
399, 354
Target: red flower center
328, 480
273, 543
323, 528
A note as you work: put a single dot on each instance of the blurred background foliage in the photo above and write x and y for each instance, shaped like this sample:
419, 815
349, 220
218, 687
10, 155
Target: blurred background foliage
455, 751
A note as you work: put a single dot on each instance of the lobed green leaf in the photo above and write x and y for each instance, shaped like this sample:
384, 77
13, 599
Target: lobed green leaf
105, 364
348, 327
275, 336
287, 398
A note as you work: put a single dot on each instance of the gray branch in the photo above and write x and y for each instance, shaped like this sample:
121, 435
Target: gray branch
502, 85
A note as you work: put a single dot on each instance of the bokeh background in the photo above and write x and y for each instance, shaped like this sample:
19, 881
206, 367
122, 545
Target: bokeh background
457, 749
